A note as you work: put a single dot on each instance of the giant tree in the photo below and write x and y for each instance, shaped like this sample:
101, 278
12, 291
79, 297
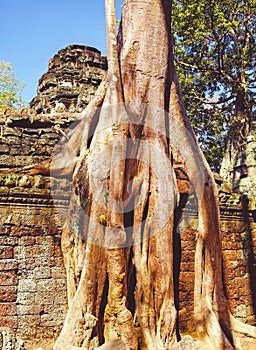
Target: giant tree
118, 236
215, 45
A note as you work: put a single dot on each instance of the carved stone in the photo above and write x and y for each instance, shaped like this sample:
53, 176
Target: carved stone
73, 76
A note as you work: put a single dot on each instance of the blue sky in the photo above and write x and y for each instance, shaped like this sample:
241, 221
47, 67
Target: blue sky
33, 31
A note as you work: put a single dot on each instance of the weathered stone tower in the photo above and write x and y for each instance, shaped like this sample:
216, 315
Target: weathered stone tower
73, 76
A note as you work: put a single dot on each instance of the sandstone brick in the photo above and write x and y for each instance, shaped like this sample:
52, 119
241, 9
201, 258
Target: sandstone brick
9, 321
6, 252
51, 308
232, 293
58, 272
233, 303
229, 245
231, 236
26, 298
188, 245
5, 230
8, 264
27, 285
8, 278
29, 310
8, 293
27, 241
45, 284
186, 281
55, 318
56, 261
187, 266
188, 235
241, 311
45, 298
187, 256
8, 309
231, 273
187, 276
230, 264
25, 231
187, 295
6, 240
42, 272
27, 251
48, 333
28, 324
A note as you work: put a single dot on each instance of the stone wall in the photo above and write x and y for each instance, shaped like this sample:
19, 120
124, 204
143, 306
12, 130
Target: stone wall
238, 227
33, 299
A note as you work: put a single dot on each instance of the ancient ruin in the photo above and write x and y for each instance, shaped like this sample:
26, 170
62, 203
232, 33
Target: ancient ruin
73, 76
33, 299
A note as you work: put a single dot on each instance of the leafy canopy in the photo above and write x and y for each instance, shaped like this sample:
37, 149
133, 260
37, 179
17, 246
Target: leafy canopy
10, 87
215, 53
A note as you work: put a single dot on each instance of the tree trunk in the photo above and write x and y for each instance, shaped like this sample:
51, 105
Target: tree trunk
237, 137
117, 241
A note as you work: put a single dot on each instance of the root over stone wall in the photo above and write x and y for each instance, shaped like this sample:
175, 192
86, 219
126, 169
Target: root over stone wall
33, 299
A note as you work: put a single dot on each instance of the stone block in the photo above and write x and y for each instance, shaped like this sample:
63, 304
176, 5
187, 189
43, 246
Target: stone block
45, 297
232, 293
27, 285
8, 278
187, 256
186, 295
6, 240
53, 319
27, 241
18, 231
8, 264
26, 298
239, 254
42, 272
28, 325
188, 245
8, 293
188, 266
29, 310
187, 278
227, 225
231, 273
231, 245
8, 309
58, 272
6, 252
9, 321
230, 264
5, 230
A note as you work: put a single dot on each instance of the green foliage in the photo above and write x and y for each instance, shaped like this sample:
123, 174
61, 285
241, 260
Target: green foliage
10, 87
102, 218
215, 45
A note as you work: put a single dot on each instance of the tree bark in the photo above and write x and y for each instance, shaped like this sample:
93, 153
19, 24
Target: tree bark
117, 241
238, 131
